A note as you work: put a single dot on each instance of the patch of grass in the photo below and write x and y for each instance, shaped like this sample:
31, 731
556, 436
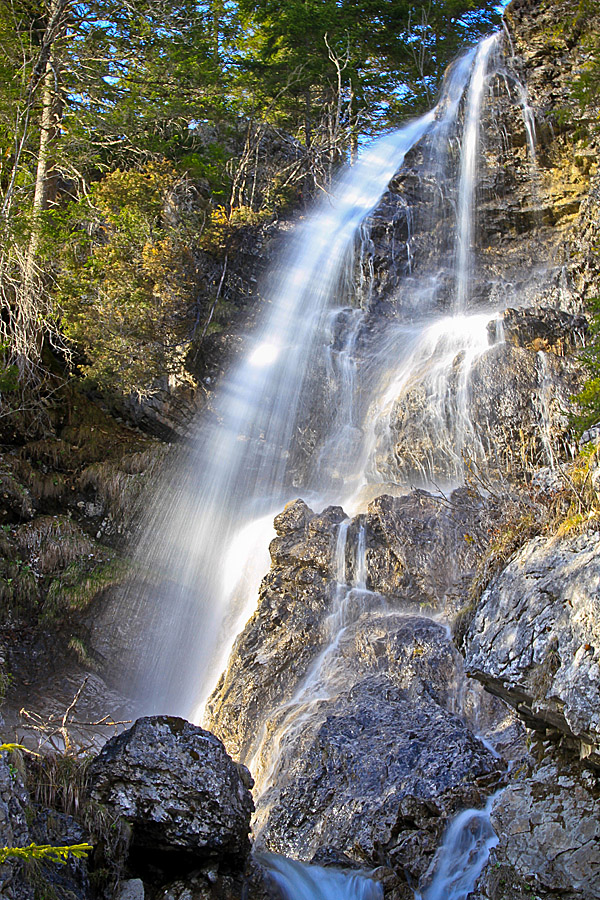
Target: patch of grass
82, 581
521, 520
61, 782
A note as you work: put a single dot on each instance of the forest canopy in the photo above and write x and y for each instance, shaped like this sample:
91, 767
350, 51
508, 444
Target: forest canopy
220, 112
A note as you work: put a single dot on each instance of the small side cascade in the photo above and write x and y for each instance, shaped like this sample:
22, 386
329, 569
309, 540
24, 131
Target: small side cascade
339, 564
301, 881
436, 373
326, 673
344, 434
360, 563
464, 852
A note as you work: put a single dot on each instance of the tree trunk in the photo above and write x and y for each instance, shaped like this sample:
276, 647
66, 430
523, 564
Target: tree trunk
29, 317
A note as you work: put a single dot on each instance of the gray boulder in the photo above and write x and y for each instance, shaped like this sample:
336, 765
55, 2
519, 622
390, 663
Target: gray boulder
184, 799
535, 638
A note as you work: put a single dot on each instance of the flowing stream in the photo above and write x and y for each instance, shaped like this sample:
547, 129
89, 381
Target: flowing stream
206, 542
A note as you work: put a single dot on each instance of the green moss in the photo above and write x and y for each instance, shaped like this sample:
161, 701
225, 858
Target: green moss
80, 583
19, 588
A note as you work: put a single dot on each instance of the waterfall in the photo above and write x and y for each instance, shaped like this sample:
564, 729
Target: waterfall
468, 173
462, 856
237, 474
385, 382
299, 881
204, 547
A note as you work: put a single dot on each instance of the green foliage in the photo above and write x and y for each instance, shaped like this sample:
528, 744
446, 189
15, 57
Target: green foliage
45, 852
127, 284
160, 112
586, 87
392, 55
80, 583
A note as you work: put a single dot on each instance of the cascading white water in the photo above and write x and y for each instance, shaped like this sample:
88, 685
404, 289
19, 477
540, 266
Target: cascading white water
433, 352
299, 881
324, 676
216, 514
463, 854
468, 175
237, 472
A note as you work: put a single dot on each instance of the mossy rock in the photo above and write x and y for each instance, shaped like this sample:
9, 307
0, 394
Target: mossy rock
82, 581
119, 485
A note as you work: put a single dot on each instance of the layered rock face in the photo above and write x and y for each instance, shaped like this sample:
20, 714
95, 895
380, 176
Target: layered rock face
535, 638
548, 825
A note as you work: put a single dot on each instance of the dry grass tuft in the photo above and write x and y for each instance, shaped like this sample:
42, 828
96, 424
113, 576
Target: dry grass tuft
119, 486
52, 543
15, 498
52, 453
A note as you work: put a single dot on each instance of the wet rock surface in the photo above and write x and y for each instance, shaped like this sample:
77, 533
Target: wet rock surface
544, 329
518, 391
184, 799
275, 649
419, 551
535, 637
376, 779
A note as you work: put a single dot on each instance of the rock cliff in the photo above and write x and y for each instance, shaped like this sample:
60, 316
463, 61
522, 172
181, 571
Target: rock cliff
346, 694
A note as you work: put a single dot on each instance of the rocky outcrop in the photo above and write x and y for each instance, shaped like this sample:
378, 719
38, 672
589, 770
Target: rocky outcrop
374, 778
535, 637
548, 826
273, 653
186, 803
505, 409
422, 548
419, 552
542, 328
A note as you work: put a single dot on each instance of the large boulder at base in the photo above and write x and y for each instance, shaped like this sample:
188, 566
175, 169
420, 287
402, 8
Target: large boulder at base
548, 827
535, 638
184, 798
374, 778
